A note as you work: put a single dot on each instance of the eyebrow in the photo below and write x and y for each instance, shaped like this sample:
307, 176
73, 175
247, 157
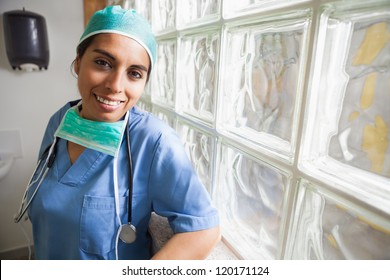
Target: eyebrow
103, 52
107, 54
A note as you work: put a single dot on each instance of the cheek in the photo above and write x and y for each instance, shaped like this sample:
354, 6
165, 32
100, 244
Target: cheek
83, 87
135, 90
87, 80
133, 95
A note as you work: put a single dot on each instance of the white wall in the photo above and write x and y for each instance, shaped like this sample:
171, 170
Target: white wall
27, 100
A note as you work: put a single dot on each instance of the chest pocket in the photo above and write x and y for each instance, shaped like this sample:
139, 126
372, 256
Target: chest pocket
99, 225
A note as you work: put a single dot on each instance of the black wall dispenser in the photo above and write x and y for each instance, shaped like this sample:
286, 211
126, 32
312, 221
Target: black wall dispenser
26, 41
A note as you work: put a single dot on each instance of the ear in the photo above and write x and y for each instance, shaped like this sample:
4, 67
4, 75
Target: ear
76, 65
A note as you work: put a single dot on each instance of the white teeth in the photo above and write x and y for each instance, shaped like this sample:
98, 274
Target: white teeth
107, 102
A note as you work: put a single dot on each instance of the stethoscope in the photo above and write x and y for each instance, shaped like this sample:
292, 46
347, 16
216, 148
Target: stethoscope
127, 232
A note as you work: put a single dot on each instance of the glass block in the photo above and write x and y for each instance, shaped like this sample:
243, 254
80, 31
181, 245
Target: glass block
196, 12
347, 126
164, 76
249, 194
142, 7
144, 105
148, 88
200, 147
163, 16
164, 115
262, 78
198, 74
326, 227
232, 8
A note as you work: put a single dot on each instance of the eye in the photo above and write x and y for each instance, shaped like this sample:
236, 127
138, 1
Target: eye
103, 63
135, 75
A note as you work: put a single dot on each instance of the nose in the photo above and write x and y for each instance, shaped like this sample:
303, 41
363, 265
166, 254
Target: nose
115, 82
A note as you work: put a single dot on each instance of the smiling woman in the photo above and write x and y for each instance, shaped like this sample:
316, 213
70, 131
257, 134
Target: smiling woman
113, 164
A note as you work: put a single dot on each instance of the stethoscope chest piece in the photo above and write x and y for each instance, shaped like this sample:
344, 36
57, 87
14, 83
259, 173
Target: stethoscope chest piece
128, 233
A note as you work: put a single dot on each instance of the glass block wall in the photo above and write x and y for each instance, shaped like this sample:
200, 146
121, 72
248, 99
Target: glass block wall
284, 109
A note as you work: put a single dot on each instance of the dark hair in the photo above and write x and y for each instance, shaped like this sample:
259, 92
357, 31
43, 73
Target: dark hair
82, 47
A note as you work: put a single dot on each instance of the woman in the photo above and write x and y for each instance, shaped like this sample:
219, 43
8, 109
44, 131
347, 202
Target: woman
82, 208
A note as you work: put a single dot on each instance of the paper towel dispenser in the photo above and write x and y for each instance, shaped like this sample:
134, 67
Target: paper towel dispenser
26, 40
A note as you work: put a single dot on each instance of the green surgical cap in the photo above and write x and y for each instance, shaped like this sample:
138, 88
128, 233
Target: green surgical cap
114, 19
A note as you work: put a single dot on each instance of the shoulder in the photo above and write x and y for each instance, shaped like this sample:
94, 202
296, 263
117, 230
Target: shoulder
56, 118
156, 137
149, 126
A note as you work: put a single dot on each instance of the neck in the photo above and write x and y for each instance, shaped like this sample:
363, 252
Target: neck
74, 151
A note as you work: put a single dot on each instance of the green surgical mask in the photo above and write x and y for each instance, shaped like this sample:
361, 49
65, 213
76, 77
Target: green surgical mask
105, 137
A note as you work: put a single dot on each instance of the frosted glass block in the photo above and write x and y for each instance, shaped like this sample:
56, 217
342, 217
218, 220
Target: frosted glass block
233, 8
195, 12
147, 94
261, 85
249, 194
164, 77
143, 105
197, 74
347, 126
163, 15
200, 147
164, 115
141, 6
363, 132
328, 228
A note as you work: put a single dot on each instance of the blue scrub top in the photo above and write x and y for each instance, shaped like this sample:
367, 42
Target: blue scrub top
73, 213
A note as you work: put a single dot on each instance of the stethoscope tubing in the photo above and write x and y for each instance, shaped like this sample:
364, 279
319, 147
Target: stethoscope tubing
45, 168
130, 194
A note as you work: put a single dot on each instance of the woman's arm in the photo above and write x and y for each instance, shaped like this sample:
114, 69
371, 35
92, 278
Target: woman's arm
195, 245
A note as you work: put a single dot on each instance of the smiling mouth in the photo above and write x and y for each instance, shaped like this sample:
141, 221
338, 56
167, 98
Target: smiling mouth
108, 102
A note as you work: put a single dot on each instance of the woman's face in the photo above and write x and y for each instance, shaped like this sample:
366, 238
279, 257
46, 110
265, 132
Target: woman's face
112, 74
